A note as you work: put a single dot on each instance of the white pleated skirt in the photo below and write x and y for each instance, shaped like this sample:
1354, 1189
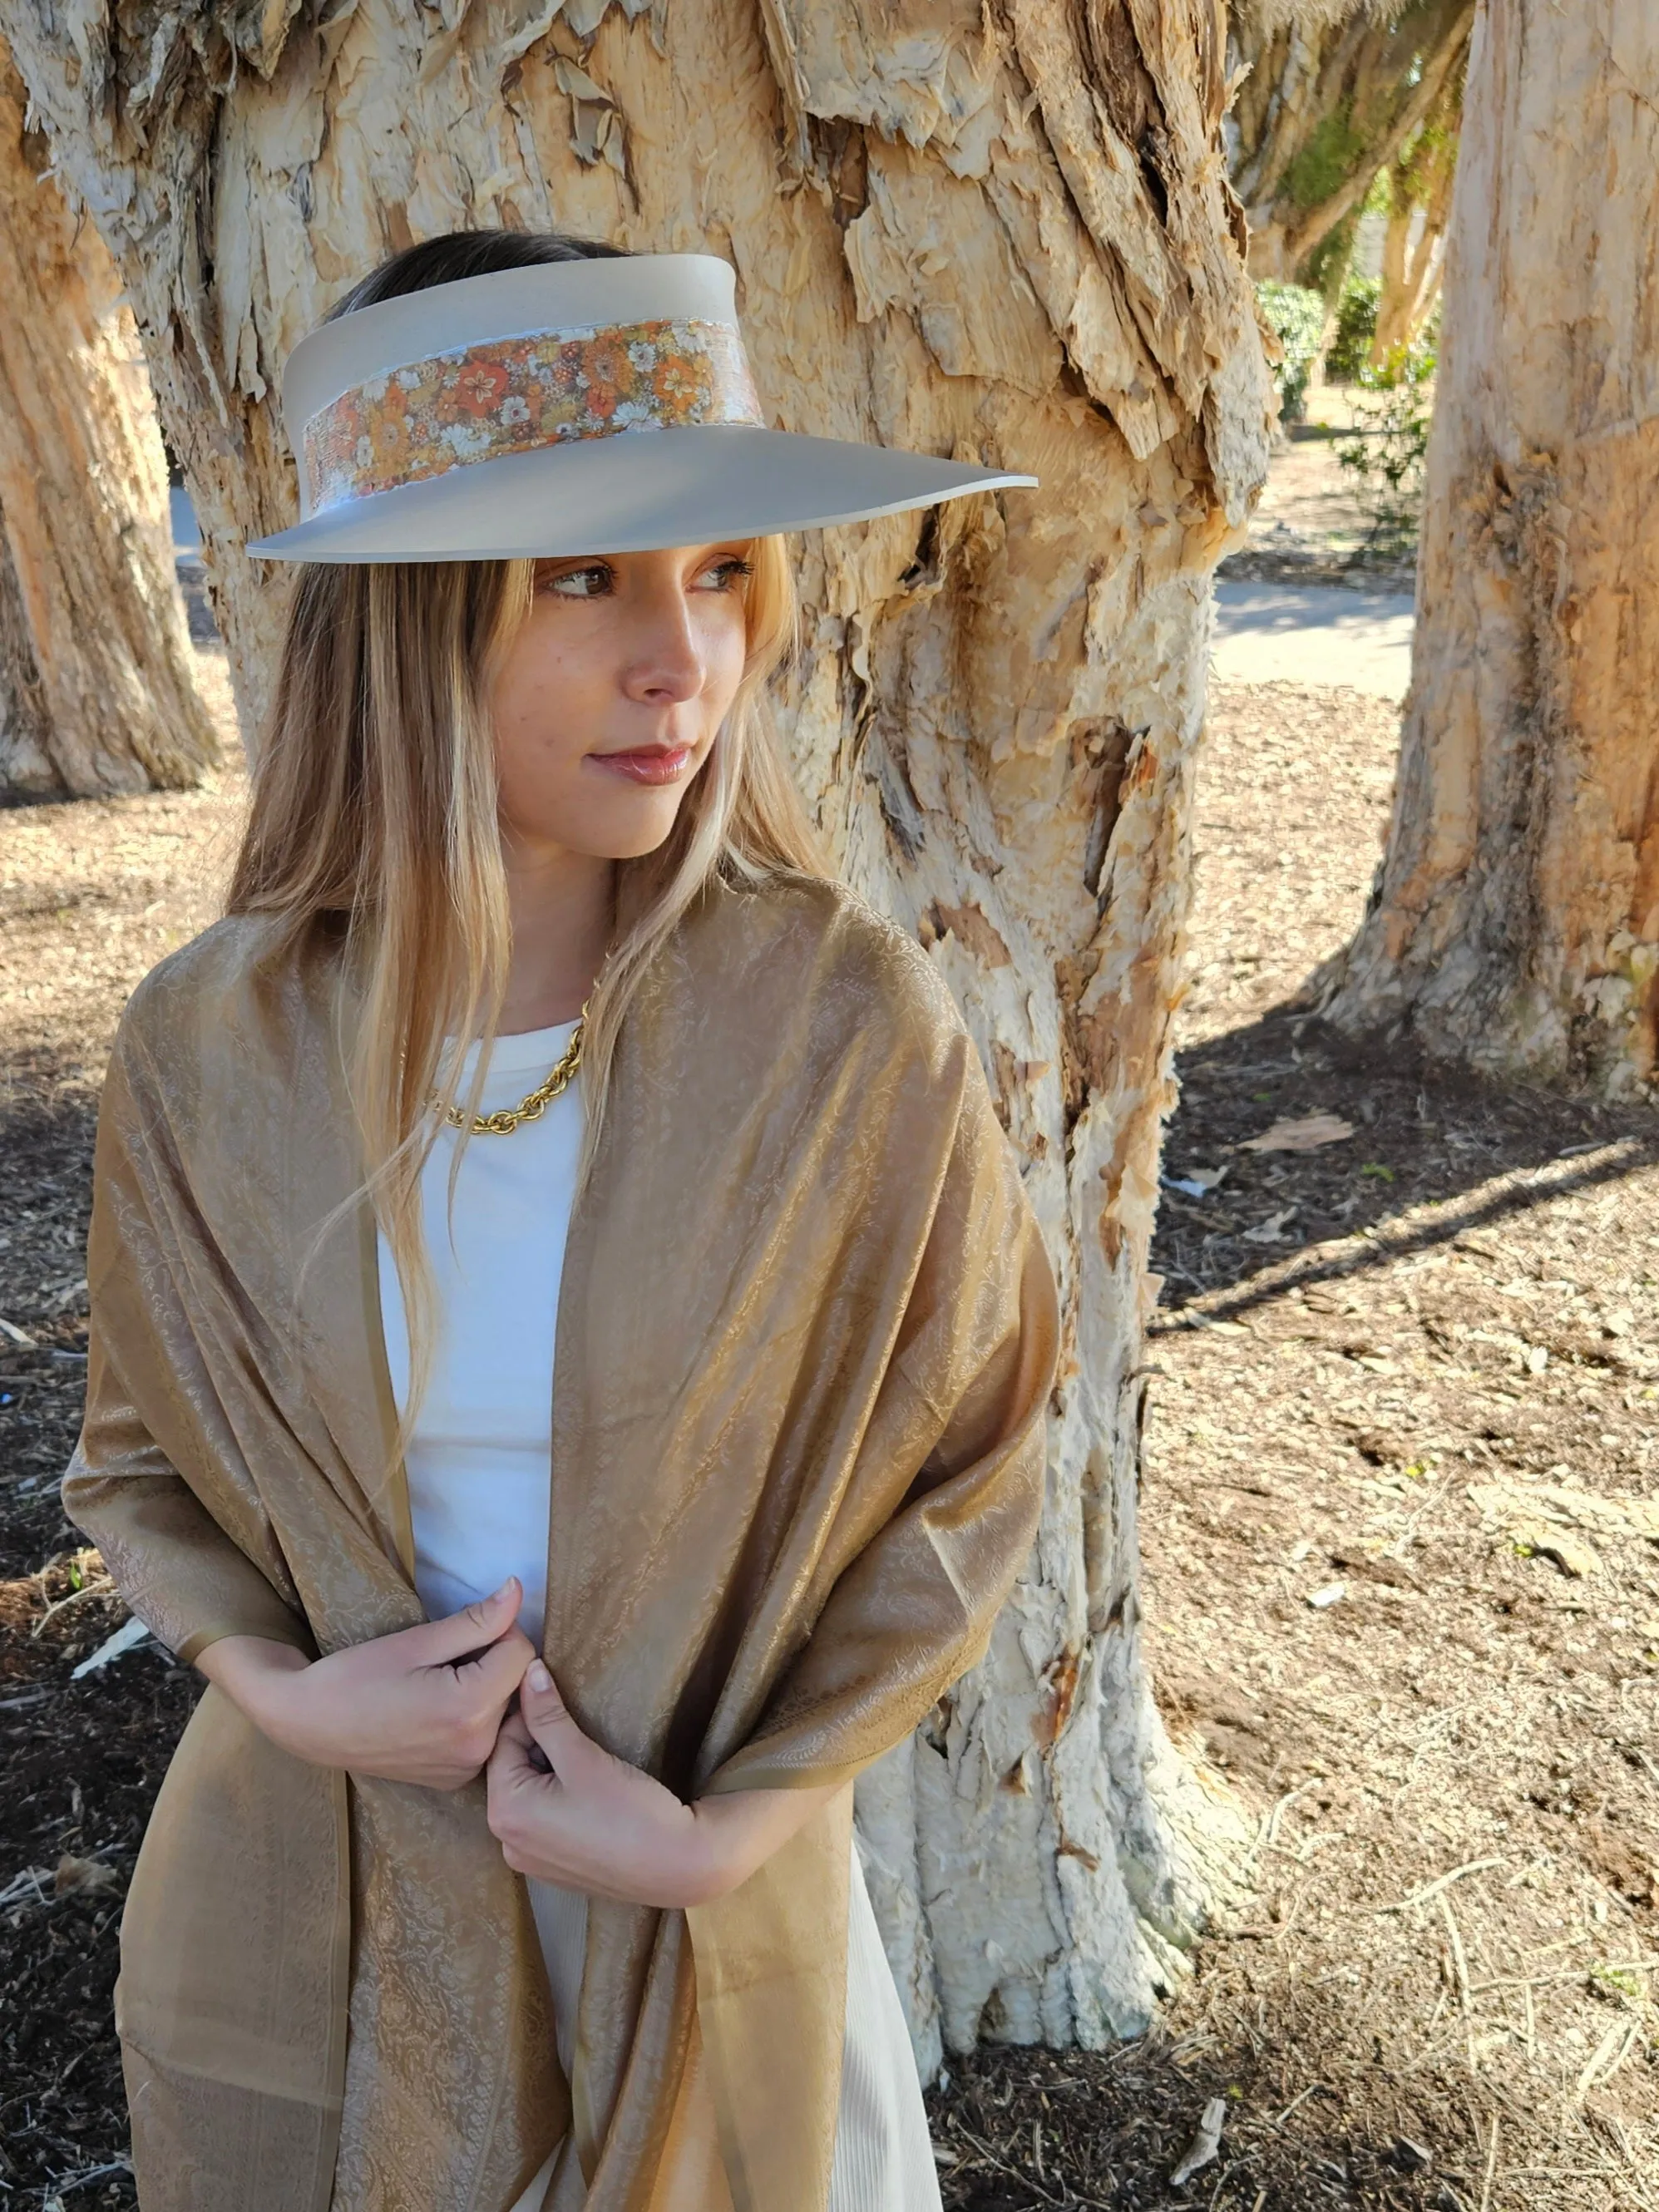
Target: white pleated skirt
884, 2157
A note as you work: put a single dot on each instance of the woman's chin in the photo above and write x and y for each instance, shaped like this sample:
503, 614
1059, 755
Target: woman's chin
636, 823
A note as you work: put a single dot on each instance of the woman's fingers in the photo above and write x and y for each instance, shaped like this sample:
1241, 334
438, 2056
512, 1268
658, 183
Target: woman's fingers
459, 1634
571, 1754
492, 1677
514, 1729
515, 1784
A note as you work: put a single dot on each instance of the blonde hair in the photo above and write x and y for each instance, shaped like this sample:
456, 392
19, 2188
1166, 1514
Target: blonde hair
374, 812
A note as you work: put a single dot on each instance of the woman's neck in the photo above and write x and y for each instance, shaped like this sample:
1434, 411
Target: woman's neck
561, 905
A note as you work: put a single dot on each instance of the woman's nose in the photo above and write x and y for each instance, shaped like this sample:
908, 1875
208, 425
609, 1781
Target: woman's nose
668, 664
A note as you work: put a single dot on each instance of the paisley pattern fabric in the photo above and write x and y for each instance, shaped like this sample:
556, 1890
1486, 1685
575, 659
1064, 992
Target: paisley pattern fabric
805, 1342
511, 395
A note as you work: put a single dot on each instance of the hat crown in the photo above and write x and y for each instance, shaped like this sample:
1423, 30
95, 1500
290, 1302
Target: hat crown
507, 303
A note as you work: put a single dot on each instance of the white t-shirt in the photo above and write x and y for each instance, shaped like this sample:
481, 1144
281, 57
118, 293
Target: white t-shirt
479, 1468
478, 1461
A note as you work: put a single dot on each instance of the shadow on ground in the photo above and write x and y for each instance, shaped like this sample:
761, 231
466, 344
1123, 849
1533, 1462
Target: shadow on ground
1434, 1155
1021, 2129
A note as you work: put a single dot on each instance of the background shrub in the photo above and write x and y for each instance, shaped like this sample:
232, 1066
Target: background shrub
1356, 326
1296, 316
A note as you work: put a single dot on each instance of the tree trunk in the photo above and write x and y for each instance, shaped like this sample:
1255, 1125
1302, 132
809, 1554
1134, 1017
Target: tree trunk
1419, 207
1335, 90
1515, 921
1413, 253
957, 228
97, 689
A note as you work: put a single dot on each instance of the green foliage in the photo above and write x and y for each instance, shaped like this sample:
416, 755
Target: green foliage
1390, 443
1424, 165
1297, 319
1325, 270
1334, 151
1356, 326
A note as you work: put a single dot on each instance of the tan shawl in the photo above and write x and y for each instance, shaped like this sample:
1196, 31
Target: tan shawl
804, 1343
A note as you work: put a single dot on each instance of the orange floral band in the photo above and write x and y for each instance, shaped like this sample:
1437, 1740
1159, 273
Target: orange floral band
512, 395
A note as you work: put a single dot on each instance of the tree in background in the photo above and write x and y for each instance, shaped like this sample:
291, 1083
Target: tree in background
1419, 182
97, 692
1516, 920
1000, 232
1330, 93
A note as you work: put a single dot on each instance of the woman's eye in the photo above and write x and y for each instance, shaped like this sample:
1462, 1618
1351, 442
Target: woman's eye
728, 575
590, 582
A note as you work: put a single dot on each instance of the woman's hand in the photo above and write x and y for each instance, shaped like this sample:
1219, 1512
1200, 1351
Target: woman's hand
587, 1821
424, 1706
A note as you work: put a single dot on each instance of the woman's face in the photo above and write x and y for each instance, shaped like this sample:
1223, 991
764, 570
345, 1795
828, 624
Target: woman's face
609, 698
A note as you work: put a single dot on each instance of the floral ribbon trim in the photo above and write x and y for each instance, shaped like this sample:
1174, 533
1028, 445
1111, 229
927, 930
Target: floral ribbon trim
512, 395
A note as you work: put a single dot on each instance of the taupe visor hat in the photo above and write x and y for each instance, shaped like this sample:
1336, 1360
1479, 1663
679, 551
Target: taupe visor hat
599, 406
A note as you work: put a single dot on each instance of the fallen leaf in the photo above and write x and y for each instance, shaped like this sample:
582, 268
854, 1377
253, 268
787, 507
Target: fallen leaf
73, 1874
1306, 1135
1204, 2144
1321, 1601
1272, 1230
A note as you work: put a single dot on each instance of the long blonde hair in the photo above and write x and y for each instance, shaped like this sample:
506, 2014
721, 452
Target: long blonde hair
374, 814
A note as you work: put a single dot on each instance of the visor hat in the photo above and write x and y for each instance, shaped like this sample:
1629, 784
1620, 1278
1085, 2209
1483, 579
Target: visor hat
577, 407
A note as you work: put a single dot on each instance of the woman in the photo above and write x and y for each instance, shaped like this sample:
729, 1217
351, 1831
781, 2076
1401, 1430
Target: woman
533, 1021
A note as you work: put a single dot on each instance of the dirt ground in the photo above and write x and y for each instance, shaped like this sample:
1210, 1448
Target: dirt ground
1312, 525
1402, 1566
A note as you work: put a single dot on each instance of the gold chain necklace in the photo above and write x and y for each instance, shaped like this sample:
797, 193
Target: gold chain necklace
534, 1104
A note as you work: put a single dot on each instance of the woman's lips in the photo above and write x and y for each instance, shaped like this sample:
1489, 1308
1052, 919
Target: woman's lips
655, 765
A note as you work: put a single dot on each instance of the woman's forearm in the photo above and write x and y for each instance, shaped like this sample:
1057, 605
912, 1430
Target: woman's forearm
740, 1831
247, 1668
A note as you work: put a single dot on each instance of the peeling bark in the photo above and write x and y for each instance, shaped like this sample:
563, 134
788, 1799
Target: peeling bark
1002, 230
97, 692
1333, 91
1516, 922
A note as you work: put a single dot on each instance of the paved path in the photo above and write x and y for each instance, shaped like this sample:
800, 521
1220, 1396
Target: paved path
186, 537
1314, 634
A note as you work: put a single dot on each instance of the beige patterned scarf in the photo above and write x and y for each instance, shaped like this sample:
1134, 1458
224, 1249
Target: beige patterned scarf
804, 1343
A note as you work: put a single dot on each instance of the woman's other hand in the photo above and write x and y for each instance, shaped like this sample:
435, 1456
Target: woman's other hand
424, 1706
579, 1817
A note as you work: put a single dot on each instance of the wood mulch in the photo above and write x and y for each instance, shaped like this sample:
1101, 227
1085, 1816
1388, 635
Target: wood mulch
1411, 1374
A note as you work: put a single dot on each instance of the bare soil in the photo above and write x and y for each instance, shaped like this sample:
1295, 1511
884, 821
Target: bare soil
1413, 1373
1312, 525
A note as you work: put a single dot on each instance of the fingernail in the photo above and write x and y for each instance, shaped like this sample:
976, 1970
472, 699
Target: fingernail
511, 1583
539, 1677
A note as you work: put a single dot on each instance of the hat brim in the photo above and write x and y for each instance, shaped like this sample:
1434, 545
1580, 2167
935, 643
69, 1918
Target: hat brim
633, 492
